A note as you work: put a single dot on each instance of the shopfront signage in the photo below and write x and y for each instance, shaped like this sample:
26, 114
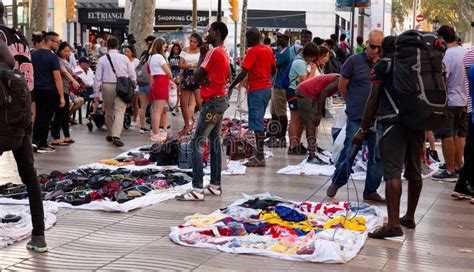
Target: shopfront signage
102, 16
167, 17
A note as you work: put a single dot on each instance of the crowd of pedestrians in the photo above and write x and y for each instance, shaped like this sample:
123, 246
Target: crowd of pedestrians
296, 80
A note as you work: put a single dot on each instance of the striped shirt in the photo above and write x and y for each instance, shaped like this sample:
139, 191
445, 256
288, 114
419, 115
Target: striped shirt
468, 61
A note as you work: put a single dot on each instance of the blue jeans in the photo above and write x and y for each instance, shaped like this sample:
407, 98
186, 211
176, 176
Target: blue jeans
374, 168
209, 127
258, 102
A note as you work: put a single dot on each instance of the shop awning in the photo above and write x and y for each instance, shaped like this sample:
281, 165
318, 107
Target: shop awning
272, 20
97, 5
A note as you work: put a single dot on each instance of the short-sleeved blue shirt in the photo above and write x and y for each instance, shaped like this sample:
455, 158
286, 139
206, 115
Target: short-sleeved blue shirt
283, 60
298, 68
357, 69
45, 62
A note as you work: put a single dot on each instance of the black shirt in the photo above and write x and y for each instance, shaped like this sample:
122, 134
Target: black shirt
382, 73
45, 62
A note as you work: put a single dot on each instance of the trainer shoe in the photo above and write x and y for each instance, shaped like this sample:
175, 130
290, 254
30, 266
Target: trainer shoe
213, 190
117, 142
445, 176
191, 195
462, 193
34, 147
433, 154
46, 149
37, 244
144, 131
299, 150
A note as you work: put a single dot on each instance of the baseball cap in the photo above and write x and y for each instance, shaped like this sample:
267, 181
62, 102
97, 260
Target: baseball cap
83, 59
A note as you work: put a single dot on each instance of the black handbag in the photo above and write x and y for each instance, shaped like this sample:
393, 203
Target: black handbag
125, 87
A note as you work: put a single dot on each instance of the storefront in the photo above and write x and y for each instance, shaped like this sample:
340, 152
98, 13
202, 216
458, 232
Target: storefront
99, 20
270, 21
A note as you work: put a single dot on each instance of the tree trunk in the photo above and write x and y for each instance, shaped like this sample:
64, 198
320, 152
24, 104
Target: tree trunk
243, 30
194, 24
141, 23
39, 15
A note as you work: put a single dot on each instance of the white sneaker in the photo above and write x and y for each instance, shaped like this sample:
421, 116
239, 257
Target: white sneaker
212, 190
44, 150
191, 195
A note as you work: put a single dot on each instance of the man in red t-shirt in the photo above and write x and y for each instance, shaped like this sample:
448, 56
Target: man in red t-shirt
311, 96
212, 75
259, 65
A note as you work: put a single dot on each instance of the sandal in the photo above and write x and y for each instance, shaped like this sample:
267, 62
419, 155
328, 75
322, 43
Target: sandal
254, 162
384, 232
69, 141
409, 224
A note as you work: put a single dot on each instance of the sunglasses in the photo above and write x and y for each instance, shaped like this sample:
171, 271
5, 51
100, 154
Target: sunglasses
373, 46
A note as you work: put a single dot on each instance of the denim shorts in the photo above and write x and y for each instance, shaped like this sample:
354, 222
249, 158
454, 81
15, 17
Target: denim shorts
258, 102
144, 89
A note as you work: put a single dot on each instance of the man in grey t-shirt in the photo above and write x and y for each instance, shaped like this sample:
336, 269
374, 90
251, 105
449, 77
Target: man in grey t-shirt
454, 136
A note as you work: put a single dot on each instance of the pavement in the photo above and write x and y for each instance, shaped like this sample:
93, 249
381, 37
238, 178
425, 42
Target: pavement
138, 240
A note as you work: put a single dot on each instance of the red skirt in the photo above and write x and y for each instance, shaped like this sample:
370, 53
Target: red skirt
159, 89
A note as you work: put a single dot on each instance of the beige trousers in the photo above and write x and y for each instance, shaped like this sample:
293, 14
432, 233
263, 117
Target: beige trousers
114, 109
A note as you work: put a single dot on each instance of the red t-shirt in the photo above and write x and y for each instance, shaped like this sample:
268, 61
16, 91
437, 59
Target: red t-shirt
217, 65
312, 87
259, 62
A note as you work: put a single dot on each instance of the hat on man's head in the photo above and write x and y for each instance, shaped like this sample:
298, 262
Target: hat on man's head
83, 59
283, 31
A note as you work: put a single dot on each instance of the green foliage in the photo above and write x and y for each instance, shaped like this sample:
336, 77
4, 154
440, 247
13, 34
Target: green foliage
456, 13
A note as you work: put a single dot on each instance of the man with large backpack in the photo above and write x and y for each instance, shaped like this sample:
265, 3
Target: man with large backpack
407, 102
453, 137
15, 135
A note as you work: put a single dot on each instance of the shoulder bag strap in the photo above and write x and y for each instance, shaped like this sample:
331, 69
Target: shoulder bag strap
111, 64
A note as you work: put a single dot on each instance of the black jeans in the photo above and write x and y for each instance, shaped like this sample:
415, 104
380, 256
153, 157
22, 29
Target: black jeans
61, 120
47, 101
466, 175
23, 154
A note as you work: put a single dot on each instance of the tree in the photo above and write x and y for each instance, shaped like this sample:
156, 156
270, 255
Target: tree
141, 22
456, 13
39, 18
243, 29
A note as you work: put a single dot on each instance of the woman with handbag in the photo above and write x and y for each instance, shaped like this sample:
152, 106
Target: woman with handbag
160, 76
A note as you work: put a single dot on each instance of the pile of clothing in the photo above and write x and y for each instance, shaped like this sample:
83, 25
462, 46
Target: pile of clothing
271, 226
85, 185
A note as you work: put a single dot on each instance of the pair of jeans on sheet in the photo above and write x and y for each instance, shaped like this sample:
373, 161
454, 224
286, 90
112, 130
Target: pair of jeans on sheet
209, 127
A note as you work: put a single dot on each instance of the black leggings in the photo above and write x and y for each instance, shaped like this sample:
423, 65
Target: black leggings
466, 175
23, 154
61, 120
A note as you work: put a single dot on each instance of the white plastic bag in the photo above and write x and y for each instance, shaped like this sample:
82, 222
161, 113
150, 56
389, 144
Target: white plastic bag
338, 144
242, 104
173, 95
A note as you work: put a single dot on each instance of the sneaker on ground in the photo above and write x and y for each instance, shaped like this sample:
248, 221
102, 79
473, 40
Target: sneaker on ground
442, 166
445, 176
462, 193
144, 131
34, 147
296, 151
191, 195
46, 149
212, 190
434, 155
37, 244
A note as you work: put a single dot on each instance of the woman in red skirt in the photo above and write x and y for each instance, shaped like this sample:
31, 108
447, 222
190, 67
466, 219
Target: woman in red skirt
160, 75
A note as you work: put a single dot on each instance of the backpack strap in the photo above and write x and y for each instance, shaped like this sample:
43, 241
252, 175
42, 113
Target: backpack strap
111, 64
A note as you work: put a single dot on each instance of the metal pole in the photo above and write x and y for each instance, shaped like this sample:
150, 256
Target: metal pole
353, 24
235, 43
414, 13
14, 14
219, 10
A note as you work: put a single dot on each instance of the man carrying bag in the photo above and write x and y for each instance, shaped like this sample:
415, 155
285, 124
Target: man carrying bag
115, 78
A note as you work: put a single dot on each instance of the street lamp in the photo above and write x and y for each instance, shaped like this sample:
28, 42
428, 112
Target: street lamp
436, 24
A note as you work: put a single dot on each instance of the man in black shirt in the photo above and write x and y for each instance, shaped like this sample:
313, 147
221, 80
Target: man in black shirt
48, 90
400, 147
